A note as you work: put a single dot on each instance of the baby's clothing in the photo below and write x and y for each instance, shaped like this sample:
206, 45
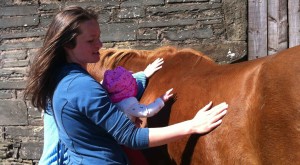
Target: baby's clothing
122, 90
133, 108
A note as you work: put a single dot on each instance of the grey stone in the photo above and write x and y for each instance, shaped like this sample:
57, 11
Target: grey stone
15, 54
13, 112
209, 22
12, 84
45, 20
31, 150
104, 17
210, 18
177, 1
15, 63
1, 134
19, 21
5, 72
133, 12
15, 132
99, 3
179, 8
189, 34
33, 33
216, 1
33, 112
147, 35
235, 13
167, 23
5, 150
13, 72
36, 121
5, 95
21, 45
18, 10
47, 7
118, 32
140, 3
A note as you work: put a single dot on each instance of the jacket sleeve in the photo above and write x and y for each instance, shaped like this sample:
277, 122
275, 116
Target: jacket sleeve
93, 101
141, 81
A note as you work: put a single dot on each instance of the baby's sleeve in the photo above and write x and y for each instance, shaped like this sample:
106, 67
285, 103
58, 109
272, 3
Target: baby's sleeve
140, 110
141, 82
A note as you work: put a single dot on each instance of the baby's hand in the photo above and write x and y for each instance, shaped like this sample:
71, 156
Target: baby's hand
153, 67
165, 97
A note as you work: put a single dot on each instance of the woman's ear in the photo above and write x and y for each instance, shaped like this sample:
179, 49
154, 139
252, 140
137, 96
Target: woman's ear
68, 46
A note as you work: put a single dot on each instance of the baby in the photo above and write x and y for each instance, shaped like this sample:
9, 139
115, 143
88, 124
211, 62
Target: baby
122, 89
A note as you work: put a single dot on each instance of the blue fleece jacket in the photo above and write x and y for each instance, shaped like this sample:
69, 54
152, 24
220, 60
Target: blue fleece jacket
52, 147
89, 125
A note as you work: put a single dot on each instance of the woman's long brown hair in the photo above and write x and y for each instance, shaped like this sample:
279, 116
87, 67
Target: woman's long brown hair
62, 31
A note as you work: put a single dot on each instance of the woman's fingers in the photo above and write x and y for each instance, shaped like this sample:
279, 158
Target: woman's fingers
215, 124
218, 108
206, 107
209, 118
218, 116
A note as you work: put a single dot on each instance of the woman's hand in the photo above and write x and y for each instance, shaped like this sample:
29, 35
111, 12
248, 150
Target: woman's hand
208, 119
165, 97
203, 122
153, 67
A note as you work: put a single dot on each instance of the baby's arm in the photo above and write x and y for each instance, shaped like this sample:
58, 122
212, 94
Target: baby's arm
140, 110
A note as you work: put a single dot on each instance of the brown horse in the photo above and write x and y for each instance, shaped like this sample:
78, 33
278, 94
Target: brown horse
262, 125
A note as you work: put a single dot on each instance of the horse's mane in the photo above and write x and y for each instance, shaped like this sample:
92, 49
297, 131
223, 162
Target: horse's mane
111, 58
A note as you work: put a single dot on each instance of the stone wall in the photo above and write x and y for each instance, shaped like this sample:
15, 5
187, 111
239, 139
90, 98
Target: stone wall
215, 27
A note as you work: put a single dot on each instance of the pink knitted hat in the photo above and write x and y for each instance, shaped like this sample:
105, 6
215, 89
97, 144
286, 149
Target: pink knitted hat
120, 84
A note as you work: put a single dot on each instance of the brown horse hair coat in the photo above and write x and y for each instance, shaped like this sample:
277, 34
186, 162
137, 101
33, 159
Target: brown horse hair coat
262, 125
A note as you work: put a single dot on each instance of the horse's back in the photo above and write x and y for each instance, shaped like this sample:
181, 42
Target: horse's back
261, 126
267, 122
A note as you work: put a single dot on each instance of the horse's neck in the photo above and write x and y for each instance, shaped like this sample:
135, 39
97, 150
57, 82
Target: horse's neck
138, 60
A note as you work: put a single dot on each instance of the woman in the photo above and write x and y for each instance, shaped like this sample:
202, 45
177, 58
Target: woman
55, 153
89, 125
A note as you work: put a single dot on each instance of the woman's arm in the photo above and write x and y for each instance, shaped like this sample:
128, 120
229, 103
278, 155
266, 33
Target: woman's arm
203, 122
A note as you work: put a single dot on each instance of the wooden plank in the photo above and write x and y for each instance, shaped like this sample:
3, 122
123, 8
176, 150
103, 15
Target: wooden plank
277, 26
257, 31
294, 22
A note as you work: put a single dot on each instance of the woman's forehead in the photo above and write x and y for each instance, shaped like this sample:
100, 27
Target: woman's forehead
90, 28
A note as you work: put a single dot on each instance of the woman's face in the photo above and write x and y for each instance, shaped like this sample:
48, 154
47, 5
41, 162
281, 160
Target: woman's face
87, 44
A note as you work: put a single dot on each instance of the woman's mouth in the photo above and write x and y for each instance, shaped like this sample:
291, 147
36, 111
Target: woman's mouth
96, 53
